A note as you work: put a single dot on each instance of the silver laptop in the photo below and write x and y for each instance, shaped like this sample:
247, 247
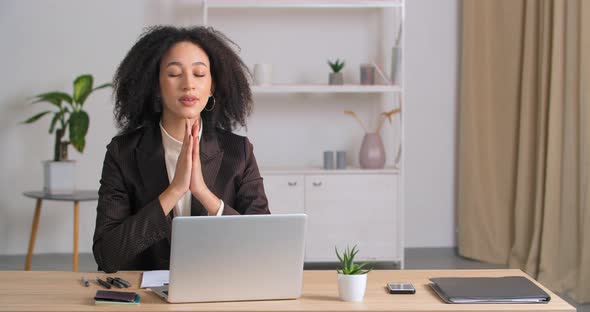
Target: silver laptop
231, 258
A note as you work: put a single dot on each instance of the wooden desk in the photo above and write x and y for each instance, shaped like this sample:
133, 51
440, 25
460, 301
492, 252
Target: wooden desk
63, 291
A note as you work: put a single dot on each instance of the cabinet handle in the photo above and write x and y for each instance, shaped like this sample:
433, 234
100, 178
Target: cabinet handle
317, 183
292, 183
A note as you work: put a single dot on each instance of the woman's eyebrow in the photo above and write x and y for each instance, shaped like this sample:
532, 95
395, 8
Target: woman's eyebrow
180, 64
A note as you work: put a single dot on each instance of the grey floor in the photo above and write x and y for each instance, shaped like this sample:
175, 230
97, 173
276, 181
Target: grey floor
416, 258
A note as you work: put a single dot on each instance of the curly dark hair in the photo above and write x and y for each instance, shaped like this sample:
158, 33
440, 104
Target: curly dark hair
136, 82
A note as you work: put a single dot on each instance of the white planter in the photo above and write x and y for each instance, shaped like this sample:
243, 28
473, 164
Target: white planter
352, 287
263, 74
59, 177
336, 78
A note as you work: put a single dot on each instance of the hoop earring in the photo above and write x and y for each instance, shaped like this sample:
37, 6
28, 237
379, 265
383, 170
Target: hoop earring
212, 106
158, 103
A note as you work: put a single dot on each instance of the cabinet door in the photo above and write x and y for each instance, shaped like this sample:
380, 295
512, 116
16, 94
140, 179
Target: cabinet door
351, 209
284, 193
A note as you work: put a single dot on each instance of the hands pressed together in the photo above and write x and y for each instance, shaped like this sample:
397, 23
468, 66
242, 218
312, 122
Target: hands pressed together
188, 174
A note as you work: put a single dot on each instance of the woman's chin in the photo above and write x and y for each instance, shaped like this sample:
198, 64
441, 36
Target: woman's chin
191, 114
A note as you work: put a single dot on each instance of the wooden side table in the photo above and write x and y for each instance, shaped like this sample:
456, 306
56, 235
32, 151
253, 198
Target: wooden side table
76, 197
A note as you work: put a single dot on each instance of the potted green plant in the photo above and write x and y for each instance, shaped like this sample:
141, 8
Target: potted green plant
336, 77
68, 114
352, 277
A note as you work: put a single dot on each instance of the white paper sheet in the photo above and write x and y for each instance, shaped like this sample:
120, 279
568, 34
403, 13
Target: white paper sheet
155, 278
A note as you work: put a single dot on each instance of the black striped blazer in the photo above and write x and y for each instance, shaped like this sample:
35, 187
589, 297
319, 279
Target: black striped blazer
132, 232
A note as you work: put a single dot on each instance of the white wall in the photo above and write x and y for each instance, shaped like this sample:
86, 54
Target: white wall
45, 43
432, 55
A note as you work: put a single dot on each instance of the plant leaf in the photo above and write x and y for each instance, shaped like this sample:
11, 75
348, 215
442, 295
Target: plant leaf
105, 85
36, 117
389, 114
78, 126
337, 254
354, 252
354, 271
360, 268
350, 263
55, 119
336, 66
54, 98
82, 88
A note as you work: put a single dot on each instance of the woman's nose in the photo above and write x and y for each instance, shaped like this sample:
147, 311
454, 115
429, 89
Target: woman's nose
188, 83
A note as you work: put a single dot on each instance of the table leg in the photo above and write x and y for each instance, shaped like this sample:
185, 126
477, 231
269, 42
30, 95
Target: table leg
75, 256
34, 227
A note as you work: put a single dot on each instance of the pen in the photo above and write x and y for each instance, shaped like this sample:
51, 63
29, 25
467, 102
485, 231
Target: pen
103, 283
122, 281
85, 281
115, 282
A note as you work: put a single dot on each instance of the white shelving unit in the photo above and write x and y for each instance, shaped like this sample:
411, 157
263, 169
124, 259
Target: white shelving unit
318, 170
326, 89
334, 199
353, 4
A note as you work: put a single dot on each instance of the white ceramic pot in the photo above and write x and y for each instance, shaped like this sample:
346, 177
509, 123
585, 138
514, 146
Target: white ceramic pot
59, 178
336, 79
352, 287
263, 74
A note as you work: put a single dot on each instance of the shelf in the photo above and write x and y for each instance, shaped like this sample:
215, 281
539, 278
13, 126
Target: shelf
326, 89
303, 4
318, 170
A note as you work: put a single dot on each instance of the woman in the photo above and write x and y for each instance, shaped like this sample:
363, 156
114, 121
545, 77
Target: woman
178, 94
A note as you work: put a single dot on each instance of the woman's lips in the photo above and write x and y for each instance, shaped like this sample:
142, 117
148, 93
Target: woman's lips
188, 100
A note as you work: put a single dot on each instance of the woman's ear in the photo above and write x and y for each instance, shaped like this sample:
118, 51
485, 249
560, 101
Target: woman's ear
158, 102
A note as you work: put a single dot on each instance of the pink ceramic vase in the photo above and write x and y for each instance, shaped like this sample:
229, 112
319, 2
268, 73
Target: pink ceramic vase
372, 154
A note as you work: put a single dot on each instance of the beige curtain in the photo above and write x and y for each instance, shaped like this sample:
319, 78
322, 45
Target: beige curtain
524, 139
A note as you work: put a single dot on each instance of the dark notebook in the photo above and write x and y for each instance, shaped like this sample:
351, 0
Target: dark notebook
115, 296
508, 289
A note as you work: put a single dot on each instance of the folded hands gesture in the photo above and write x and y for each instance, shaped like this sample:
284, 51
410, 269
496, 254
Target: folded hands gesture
188, 174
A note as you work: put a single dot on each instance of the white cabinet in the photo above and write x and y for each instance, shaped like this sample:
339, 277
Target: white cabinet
285, 193
343, 209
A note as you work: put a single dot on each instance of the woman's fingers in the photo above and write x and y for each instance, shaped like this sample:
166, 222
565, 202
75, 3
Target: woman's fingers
185, 139
186, 129
182, 174
189, 150
188, 146
196, 127
195, 131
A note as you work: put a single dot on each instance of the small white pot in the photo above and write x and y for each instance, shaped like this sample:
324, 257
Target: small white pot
59, 178
352, 287
263, 74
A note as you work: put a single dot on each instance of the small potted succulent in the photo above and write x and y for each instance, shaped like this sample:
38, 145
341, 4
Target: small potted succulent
352, 277
68, 115
336, 77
